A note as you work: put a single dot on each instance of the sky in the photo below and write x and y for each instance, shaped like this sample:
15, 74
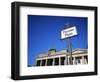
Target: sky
44, 33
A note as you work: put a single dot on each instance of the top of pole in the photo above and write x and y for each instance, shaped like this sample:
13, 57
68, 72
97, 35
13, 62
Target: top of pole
68, 25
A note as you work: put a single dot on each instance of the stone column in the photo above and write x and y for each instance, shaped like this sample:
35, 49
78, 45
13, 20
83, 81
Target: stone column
74, 61
66, 61
40, 62
36, 62
83, 60
59, 61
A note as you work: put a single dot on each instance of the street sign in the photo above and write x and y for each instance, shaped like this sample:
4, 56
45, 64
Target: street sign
69, 32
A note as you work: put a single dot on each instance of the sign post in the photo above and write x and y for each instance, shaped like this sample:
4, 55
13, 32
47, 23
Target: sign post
68, 33
70, 50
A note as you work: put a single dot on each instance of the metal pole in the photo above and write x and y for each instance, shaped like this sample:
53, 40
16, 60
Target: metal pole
70, 50
66, 60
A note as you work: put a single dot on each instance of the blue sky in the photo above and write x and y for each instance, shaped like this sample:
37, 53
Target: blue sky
44, 34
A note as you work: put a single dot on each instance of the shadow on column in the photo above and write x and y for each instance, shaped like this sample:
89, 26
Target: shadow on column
43, 62
56, 61
38, 63
62, 60
49, 62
